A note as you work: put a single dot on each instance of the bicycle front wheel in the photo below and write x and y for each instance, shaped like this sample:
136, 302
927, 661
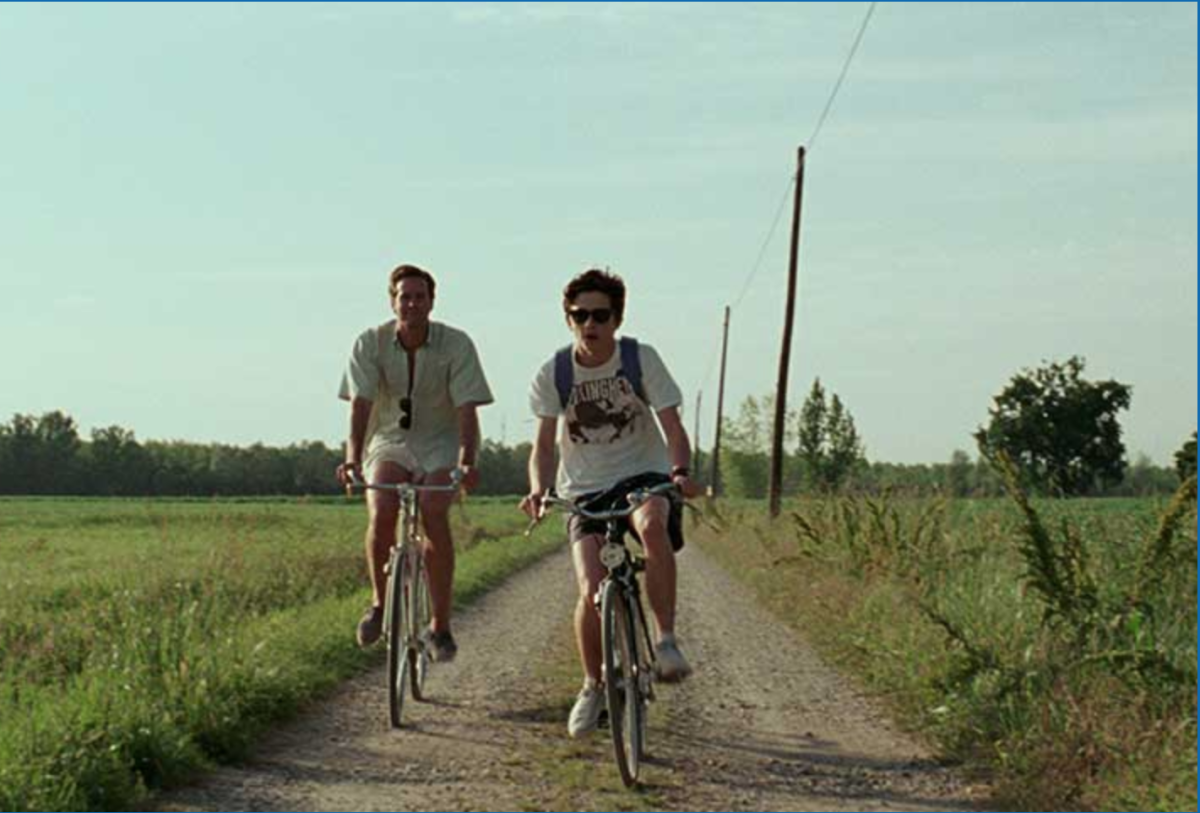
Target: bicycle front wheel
418, 653
398, 621
625, 708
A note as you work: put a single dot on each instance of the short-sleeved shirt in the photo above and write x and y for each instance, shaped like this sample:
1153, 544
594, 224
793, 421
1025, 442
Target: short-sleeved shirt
448, 375
607, 433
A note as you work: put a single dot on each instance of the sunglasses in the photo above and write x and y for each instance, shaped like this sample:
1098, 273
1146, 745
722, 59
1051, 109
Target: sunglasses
406, 413
598, 315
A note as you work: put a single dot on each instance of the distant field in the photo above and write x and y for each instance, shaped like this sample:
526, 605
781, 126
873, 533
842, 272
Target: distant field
1065, 666
140, 639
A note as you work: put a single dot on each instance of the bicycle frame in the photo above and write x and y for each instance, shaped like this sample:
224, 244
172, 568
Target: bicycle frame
406, 591
621, 582
621, 563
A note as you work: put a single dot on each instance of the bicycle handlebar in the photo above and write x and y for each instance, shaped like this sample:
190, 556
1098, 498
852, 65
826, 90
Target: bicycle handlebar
456, 477
635, 499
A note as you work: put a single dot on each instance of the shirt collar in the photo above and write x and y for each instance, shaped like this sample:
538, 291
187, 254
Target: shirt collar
396, 334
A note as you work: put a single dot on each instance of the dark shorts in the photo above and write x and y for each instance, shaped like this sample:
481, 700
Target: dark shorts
578, 527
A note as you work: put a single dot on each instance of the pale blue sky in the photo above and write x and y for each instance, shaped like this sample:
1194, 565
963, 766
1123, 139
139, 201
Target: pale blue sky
200, 203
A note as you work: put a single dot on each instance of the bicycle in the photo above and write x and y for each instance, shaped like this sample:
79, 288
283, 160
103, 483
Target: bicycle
406, 608
628, 653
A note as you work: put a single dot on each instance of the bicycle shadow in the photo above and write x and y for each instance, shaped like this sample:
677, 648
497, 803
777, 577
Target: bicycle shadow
546, 713
819, 767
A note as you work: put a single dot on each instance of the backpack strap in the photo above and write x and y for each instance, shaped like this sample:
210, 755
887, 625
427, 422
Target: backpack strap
564, 374
631, 369
631, 366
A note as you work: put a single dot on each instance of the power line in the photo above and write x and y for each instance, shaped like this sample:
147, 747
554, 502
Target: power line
762, 251
766, 242
845, 69
816, 131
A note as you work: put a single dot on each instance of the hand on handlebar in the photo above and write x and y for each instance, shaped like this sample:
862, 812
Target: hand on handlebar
468, 477
532, 506
349, 474
688, 487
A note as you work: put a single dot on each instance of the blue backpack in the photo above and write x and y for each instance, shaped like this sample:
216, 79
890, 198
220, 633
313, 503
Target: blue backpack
631, 369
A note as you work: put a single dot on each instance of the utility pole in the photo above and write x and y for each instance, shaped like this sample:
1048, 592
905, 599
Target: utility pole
715, 477
776, 483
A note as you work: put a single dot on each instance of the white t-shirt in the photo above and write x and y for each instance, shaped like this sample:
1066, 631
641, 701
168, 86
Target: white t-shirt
607, 433
448, 376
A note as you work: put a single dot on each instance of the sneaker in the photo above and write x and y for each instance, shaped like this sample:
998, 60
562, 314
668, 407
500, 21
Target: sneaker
672, 666
585, 714
441, 646
370, 627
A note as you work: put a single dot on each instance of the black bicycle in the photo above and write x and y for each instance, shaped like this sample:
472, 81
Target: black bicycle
629, 665
406, 609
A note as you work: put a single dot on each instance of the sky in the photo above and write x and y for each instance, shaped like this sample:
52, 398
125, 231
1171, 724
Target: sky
200, 203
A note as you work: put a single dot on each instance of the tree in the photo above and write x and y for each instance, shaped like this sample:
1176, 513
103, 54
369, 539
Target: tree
958, 474
1060, 429
844, 450
829, 447
116, 463
744, 464
811, 449
1185, 459
18, 454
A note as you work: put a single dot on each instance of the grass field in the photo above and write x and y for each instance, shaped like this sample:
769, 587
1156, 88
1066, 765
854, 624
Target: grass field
1054, 647
141, 640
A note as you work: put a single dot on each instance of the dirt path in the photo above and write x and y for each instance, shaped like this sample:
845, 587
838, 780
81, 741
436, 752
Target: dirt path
762, 725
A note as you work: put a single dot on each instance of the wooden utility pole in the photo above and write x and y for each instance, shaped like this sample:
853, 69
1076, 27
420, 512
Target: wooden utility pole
715, 477
776, 486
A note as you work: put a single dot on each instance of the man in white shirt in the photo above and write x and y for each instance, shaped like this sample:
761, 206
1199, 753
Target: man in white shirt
414, 386
608, 394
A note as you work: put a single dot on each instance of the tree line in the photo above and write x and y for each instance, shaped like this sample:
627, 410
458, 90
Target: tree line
1060, 430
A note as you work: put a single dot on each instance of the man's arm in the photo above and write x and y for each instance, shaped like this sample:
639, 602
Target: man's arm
541, 465
680, 450
468, 444
360, 417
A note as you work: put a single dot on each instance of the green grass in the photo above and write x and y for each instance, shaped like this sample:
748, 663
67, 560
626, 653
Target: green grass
1065, 667
142, 640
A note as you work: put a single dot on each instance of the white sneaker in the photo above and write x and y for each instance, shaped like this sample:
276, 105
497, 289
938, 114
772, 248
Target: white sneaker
672, 666
585, 714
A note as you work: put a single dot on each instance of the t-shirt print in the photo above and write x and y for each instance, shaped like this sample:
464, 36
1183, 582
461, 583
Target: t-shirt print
602, 411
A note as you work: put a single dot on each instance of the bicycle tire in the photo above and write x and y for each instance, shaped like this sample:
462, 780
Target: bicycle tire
421, 615
397, 650
625, 710
645, 672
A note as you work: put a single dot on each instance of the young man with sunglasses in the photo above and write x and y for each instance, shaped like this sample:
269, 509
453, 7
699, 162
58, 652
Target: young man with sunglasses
414, 386
608, 394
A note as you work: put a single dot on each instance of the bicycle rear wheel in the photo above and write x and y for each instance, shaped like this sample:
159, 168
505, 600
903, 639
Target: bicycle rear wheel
397, 626
421, 614
625, 708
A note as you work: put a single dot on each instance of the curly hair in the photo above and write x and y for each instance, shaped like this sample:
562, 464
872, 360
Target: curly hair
604, 282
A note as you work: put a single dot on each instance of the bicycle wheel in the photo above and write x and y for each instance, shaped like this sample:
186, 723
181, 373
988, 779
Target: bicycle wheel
418, 653
625, 711
645, 671
397, 625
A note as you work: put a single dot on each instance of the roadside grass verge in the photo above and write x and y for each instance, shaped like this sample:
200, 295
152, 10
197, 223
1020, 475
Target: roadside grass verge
1051, 644
142, 641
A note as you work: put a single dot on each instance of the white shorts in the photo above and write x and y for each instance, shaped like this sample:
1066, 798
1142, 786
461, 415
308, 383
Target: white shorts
396, 453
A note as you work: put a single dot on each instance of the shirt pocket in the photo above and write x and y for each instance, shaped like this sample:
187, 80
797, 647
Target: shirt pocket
433, 379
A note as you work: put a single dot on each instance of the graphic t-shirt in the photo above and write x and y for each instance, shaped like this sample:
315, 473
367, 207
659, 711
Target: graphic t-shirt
606, 432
